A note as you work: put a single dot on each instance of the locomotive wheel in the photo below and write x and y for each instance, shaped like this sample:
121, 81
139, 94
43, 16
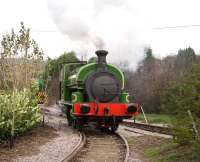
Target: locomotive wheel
77, 124
69, 119
80, 125
69, 122
105, 129
114, 125
74, 123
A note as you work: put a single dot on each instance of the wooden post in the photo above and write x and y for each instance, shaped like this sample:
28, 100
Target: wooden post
193, 124
43, 120
144, 116
11, 141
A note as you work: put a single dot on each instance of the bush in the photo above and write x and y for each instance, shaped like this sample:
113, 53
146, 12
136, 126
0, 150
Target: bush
182, 99
182, 130
196, 150
18, 113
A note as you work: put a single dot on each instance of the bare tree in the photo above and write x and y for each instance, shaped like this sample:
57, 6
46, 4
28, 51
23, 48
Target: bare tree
20, 60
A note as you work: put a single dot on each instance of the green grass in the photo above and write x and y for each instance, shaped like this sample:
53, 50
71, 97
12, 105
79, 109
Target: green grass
151, 153
170, 158
156, 118
158, 154
171, 152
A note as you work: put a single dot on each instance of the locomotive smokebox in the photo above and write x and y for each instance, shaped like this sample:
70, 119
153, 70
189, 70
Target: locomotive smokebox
102, 58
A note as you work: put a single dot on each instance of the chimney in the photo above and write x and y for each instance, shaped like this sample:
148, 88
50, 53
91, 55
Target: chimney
102, 58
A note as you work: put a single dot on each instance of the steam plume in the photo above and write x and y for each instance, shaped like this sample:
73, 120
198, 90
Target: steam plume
100, 24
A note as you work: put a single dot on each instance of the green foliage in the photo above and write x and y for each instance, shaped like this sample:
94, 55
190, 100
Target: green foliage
149, 54
183, 94
53, 66
181, 97
67, 57
171, 152
160, 153
21, 61
196, 150
183, 133
153, 76
18, 113
49, 79
185, 58
151, 152
92, 60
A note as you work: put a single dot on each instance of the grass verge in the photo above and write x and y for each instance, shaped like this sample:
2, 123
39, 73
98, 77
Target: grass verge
156, 118
171, 152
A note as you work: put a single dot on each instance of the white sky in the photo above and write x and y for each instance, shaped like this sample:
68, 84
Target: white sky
144, 15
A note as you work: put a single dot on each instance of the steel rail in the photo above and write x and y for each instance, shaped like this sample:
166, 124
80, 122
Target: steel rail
76, 149
126, 150
126, 145
149, 127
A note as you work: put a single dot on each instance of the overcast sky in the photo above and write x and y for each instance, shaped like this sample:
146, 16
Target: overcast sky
116, 25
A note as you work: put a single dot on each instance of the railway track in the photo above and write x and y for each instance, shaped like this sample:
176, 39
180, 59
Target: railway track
102, 147
148, 127
77, 149
94, 145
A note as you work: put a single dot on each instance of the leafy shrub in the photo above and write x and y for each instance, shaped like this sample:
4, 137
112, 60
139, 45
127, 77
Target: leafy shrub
182, 99
182, 130
196, 150
18, 113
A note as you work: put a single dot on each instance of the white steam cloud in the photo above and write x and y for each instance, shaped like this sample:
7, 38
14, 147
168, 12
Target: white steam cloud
101, 24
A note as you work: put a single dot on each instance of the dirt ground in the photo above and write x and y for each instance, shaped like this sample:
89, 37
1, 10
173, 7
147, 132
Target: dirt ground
139, 143
28, 144
50, 143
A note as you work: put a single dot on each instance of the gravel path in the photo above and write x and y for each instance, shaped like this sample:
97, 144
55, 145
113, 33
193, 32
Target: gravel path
56, 148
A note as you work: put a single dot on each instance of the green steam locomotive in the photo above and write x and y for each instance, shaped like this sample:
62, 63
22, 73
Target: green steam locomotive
94, 92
